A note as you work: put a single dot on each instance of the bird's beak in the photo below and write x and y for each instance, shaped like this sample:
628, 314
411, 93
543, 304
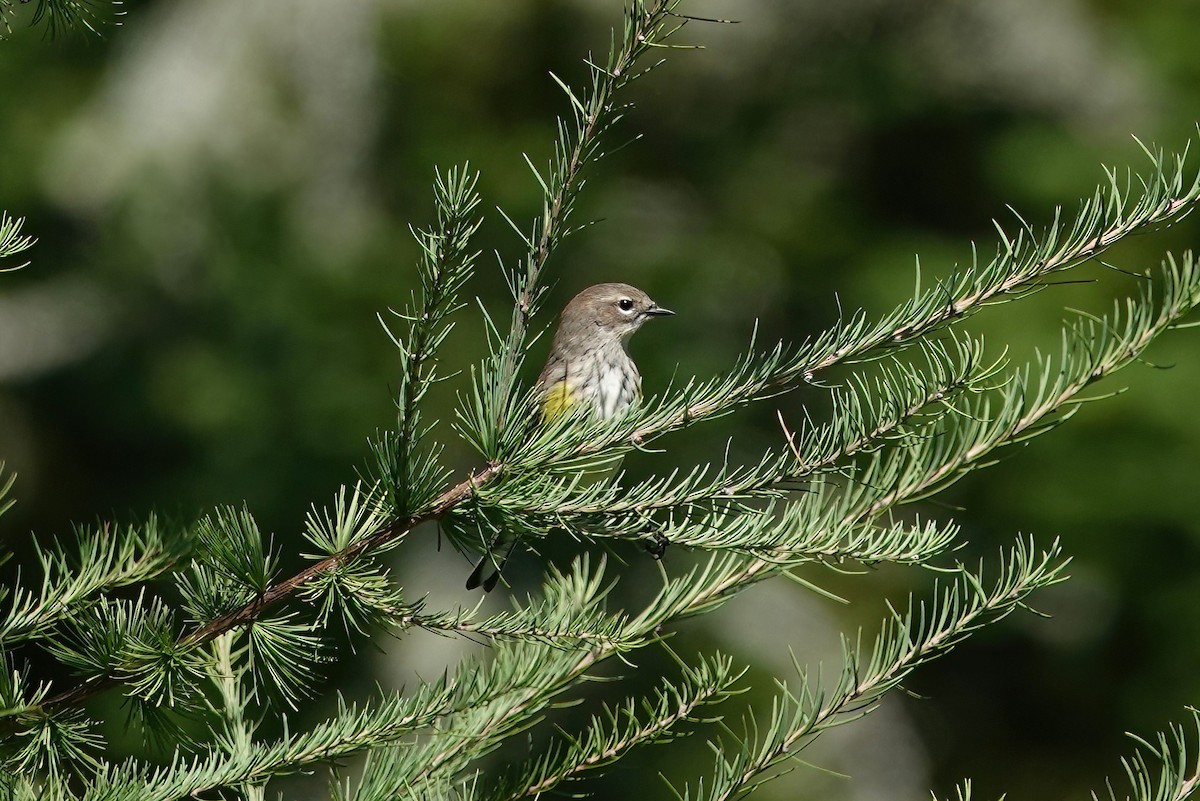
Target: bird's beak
659, 311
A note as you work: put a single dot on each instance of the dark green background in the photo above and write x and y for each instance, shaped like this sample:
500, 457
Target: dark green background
221, 193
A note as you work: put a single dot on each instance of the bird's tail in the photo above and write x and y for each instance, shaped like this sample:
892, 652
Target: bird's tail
487, 571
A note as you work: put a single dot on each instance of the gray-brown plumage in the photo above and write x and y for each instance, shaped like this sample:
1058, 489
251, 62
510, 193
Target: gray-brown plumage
587, 365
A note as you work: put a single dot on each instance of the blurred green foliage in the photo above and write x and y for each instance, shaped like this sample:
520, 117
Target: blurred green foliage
221, 192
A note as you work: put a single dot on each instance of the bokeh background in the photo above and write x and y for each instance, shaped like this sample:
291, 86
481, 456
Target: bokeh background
221, 193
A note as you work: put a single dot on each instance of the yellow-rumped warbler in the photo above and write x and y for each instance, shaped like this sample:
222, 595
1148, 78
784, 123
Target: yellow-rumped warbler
587, 366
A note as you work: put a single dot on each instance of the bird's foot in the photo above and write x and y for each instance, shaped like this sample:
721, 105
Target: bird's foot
656, 545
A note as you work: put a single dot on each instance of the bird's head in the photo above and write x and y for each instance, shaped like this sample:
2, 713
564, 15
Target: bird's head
608, 311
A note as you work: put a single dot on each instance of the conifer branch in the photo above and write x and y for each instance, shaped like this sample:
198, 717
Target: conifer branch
473, 732
88, 16
1021, 264
1116, 342
616, 731
906, 641
102, 560
712, 513
563, 616
524, 624
378, 539
472, 692
725, 578
446, 263
232, 706
961, 793
6, 503
350, 731
12, 241
1178, 776
514, 700
869, 411
280, 591
1159, 770
1092, 349
645, 27
922, 414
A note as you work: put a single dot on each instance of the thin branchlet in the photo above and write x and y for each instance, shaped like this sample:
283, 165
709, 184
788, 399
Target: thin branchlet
12, 241
908, 640
496, 419
447, 262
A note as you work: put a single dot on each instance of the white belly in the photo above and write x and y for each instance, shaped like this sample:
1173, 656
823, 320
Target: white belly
614, 385
615, 395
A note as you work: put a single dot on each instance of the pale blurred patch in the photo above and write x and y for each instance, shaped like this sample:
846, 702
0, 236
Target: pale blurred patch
257, 97
46, 325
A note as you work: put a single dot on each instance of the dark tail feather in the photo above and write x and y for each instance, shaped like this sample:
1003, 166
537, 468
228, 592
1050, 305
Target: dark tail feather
487, 571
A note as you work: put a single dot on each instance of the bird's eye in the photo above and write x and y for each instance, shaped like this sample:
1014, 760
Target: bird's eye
625, 304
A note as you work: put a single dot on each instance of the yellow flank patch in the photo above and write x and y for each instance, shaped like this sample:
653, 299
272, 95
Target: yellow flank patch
558, 399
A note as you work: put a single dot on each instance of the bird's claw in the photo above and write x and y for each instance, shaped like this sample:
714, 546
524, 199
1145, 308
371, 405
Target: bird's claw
656, 545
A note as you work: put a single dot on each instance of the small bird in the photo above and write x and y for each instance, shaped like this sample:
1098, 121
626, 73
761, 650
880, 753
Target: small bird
587, 367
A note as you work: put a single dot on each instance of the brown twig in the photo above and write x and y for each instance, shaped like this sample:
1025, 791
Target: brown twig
286, 588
